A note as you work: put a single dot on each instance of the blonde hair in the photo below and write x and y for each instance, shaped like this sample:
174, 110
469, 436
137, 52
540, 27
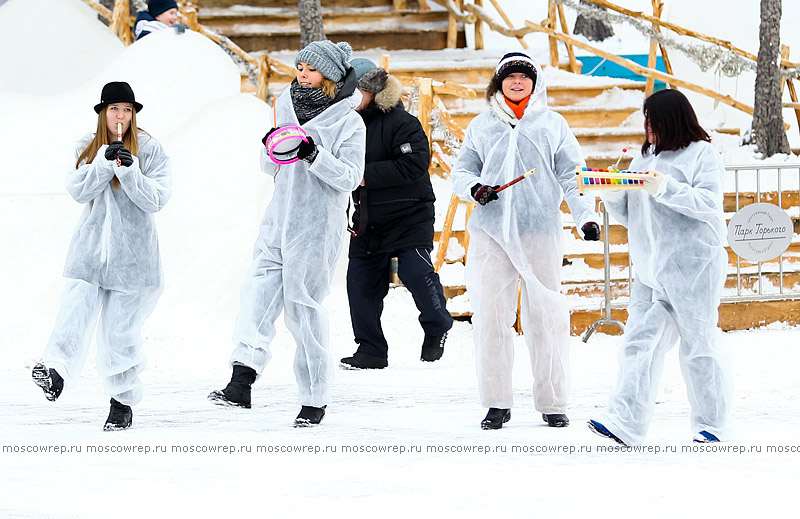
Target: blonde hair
130, 139
329, 87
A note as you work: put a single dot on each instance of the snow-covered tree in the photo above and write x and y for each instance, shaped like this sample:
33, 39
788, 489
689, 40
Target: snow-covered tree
769, 134
310, 15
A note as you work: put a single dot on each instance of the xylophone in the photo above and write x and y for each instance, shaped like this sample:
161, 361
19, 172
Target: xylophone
608, 179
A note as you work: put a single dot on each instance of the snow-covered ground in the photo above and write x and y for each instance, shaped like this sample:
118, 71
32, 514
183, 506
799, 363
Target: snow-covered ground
396, 442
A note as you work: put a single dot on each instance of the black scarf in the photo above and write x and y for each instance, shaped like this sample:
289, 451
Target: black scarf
310, 102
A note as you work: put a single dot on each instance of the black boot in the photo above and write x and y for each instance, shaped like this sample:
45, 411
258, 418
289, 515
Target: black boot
432, 347
120, 417
49, 380
495, 418
237, 392
556, 420
363, 361
309, 416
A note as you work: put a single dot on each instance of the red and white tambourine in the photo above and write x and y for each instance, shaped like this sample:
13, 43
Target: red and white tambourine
283, 143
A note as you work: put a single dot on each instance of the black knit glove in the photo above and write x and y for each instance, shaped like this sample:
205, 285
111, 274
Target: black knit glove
113, 148
125, 157
264, 140
484, 194
307, 151
591, 231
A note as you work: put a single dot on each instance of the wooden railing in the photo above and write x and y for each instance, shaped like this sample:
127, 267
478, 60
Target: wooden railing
462, 12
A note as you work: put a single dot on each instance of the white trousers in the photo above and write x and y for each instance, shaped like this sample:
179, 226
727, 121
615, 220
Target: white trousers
298, 289
656, 320
119, 341
492, 283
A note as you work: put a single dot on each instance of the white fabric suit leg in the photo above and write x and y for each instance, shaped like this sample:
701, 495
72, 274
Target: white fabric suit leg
544, 315
491, 282
119, 342
261, 303
69, 342
650, 333
305, 289
704, 363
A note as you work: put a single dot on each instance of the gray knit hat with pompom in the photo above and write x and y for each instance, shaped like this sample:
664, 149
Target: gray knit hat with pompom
327, 57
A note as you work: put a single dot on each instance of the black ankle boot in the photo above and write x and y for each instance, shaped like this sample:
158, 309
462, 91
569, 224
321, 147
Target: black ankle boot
556, 420
119, 417
49, 380
237, 392
432, 347
363, 361
495, 418
309, 416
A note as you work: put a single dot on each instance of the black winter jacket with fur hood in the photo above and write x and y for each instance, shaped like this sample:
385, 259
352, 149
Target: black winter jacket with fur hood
397, 194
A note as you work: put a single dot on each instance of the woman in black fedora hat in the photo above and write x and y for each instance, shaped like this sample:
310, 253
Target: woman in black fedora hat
113, 269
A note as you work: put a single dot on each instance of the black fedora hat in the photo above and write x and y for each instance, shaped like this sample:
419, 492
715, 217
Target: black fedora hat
117, 92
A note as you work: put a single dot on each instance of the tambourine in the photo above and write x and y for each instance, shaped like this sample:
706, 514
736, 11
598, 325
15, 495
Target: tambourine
283, 143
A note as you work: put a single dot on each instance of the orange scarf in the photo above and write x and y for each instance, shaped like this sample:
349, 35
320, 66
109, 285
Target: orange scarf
518, 108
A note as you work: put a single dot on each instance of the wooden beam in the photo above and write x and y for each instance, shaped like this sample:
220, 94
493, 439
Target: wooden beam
425, 105
638, 69
552, 41
505, 18
651, 57
573, 63
479, 29
384, 63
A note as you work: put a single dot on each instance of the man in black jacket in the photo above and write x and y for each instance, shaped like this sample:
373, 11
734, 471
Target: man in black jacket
393, 218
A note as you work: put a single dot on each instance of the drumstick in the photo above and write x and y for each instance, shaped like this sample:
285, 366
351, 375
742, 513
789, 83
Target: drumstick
529, 173
619, 159
119, 138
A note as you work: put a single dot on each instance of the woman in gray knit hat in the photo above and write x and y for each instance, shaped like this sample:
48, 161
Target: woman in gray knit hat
302, 232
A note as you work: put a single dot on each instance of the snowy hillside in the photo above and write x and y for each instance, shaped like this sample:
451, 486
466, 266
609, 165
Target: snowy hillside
400, 442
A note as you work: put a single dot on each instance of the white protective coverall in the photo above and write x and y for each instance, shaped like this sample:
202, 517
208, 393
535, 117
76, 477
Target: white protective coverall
113, 268
521, 235
676, 242
301, 237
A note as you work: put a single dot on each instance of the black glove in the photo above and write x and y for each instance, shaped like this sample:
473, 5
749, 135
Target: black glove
113, 148
591, 231
484, 194
125, 157
264, 140
307, 151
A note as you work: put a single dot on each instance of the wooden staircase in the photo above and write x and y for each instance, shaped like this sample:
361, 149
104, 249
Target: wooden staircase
270, 25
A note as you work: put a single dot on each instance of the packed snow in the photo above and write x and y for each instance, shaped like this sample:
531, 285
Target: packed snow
400, 441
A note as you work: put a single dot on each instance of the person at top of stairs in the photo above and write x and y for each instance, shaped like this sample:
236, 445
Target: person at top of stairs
160, 14
518, 234
302, 232
393, 217
676, 234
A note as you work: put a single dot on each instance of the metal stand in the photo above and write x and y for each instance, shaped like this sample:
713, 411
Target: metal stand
607, 319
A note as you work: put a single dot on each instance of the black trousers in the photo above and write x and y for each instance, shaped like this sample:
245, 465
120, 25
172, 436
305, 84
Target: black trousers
368, 284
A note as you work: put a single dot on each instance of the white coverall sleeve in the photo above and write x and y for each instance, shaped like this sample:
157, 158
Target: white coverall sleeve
568, 156
149, 192
89, 180
702, 199
342, 173
466, 172
616, 203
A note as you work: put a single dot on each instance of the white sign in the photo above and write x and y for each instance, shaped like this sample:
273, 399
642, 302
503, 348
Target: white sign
760, 232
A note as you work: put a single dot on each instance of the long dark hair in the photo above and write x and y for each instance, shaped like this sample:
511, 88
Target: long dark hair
672, 120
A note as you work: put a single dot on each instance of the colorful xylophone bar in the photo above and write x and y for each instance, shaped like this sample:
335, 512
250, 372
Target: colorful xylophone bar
598, 179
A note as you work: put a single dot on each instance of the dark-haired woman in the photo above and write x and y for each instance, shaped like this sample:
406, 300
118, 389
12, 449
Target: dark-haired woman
517, 235
113, 266
676, 232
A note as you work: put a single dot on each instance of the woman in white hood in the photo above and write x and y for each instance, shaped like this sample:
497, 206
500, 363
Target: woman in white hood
676, 230
518, 234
